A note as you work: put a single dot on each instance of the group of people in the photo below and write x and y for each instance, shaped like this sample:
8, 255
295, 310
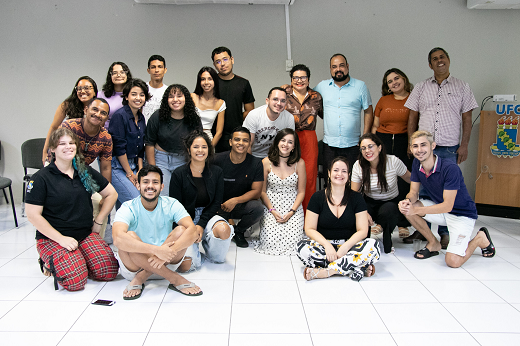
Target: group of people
188, 169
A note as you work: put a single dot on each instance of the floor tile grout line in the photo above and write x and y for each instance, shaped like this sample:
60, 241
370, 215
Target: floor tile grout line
155, 316
232, 294
301, 301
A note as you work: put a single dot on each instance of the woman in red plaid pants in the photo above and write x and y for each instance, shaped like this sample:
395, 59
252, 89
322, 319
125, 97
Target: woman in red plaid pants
59, 205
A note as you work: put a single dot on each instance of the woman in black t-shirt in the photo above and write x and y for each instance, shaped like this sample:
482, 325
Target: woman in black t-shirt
167, 128
58, 204
337, 225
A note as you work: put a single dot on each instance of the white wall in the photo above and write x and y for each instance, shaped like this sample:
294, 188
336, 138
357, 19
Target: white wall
45, 46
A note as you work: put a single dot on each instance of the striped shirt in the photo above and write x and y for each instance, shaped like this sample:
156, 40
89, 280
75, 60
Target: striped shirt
440, 107
394, 168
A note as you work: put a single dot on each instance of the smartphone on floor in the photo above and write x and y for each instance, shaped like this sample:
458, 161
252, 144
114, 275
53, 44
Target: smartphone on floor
104, 302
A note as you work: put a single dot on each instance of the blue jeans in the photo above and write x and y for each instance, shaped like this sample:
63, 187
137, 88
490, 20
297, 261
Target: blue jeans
448, 154
215, 248
124, 187
168, 162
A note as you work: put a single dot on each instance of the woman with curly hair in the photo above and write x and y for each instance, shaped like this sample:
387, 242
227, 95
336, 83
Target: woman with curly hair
73, 106
284, 189
127, 129
118, 76
209, 105
59, 205
167, 128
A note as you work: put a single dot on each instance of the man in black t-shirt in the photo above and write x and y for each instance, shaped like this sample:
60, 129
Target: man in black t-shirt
235, 90
243, 179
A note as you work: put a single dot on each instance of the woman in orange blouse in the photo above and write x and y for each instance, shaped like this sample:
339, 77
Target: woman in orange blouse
305, 105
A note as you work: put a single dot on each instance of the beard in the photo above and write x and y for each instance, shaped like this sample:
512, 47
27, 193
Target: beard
340, 79
150, 200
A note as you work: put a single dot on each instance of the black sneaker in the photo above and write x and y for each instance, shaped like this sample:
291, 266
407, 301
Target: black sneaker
240, 240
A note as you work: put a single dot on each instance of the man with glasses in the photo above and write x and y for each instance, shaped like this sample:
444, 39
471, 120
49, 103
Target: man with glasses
237, 93
156, 87
265, 121
344, 98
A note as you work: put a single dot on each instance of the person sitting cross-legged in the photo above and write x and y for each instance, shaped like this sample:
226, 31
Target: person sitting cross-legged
450, 205
147, 246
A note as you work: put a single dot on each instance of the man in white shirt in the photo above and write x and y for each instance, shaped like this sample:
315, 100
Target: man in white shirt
265, 121
156, 69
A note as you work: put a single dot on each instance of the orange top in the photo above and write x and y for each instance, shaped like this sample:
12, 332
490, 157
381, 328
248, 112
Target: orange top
393, 115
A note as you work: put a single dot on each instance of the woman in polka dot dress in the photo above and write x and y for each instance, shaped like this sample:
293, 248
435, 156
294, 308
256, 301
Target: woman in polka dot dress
284, 189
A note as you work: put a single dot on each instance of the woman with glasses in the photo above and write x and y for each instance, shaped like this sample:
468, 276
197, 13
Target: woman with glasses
208, 103
73, 107
305, 105
375, 175
167, 128
118, 76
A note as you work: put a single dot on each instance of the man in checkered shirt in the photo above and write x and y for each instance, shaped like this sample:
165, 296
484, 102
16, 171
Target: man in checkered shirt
440, 105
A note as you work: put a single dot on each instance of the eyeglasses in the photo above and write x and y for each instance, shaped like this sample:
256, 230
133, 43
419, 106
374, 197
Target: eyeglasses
117, 73
86, 88
370, 146
220, 62
302, 78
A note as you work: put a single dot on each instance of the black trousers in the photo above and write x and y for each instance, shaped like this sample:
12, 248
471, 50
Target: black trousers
385, 213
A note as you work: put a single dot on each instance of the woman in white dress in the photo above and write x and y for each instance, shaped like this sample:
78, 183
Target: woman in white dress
208, 103
281, 227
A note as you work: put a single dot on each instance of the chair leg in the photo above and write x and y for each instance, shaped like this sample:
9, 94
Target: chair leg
23, 199
6, 200
14, 208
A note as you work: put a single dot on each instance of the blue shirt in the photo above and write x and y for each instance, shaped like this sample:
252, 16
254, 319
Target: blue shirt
342, 111
445, 175
154, 226
127, 137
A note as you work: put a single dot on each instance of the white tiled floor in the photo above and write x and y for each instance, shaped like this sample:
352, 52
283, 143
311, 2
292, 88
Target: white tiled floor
255, 299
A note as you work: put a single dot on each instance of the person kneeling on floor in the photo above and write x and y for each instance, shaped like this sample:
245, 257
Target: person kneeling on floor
147, 246
451, 205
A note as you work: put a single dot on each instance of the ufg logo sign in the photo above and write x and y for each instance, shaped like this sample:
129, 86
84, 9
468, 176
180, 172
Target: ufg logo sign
507, 137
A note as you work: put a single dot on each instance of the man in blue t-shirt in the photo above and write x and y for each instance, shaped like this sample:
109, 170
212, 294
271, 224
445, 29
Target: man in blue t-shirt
147, 246
450, 205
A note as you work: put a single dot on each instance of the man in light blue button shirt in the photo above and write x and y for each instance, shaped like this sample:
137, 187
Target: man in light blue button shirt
343, 100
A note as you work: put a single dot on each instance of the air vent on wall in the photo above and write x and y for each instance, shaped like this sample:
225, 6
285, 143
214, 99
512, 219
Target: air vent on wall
231, 2
494, 4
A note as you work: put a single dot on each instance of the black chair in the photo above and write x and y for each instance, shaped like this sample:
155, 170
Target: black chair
321, 168
31, 158
6, 183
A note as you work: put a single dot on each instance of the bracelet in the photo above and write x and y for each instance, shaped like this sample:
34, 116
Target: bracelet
128, 175
100, 224
294, 211
270, 210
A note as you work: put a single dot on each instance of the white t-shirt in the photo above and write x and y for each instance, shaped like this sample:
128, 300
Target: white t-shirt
265, 130
154, 103
394, 168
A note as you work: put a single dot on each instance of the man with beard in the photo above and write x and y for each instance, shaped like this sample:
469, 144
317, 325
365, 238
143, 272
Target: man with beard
265, 121
450, 204
235, 90
343, 100
95, 143
147, 246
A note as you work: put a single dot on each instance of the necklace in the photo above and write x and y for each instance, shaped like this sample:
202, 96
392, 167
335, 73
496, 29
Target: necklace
92, 138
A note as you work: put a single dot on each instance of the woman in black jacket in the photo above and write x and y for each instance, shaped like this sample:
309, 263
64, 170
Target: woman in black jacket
199, 186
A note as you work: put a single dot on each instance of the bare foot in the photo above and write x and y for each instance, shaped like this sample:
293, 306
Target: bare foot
371, 270
46, 272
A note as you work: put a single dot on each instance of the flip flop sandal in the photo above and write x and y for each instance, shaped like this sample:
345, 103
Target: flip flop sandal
425, 253
404, 232
377, 229
373, 270
134, 287
490, 249
183, 286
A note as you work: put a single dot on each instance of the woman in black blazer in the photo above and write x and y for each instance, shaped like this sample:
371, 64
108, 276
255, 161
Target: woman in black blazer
199, 186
